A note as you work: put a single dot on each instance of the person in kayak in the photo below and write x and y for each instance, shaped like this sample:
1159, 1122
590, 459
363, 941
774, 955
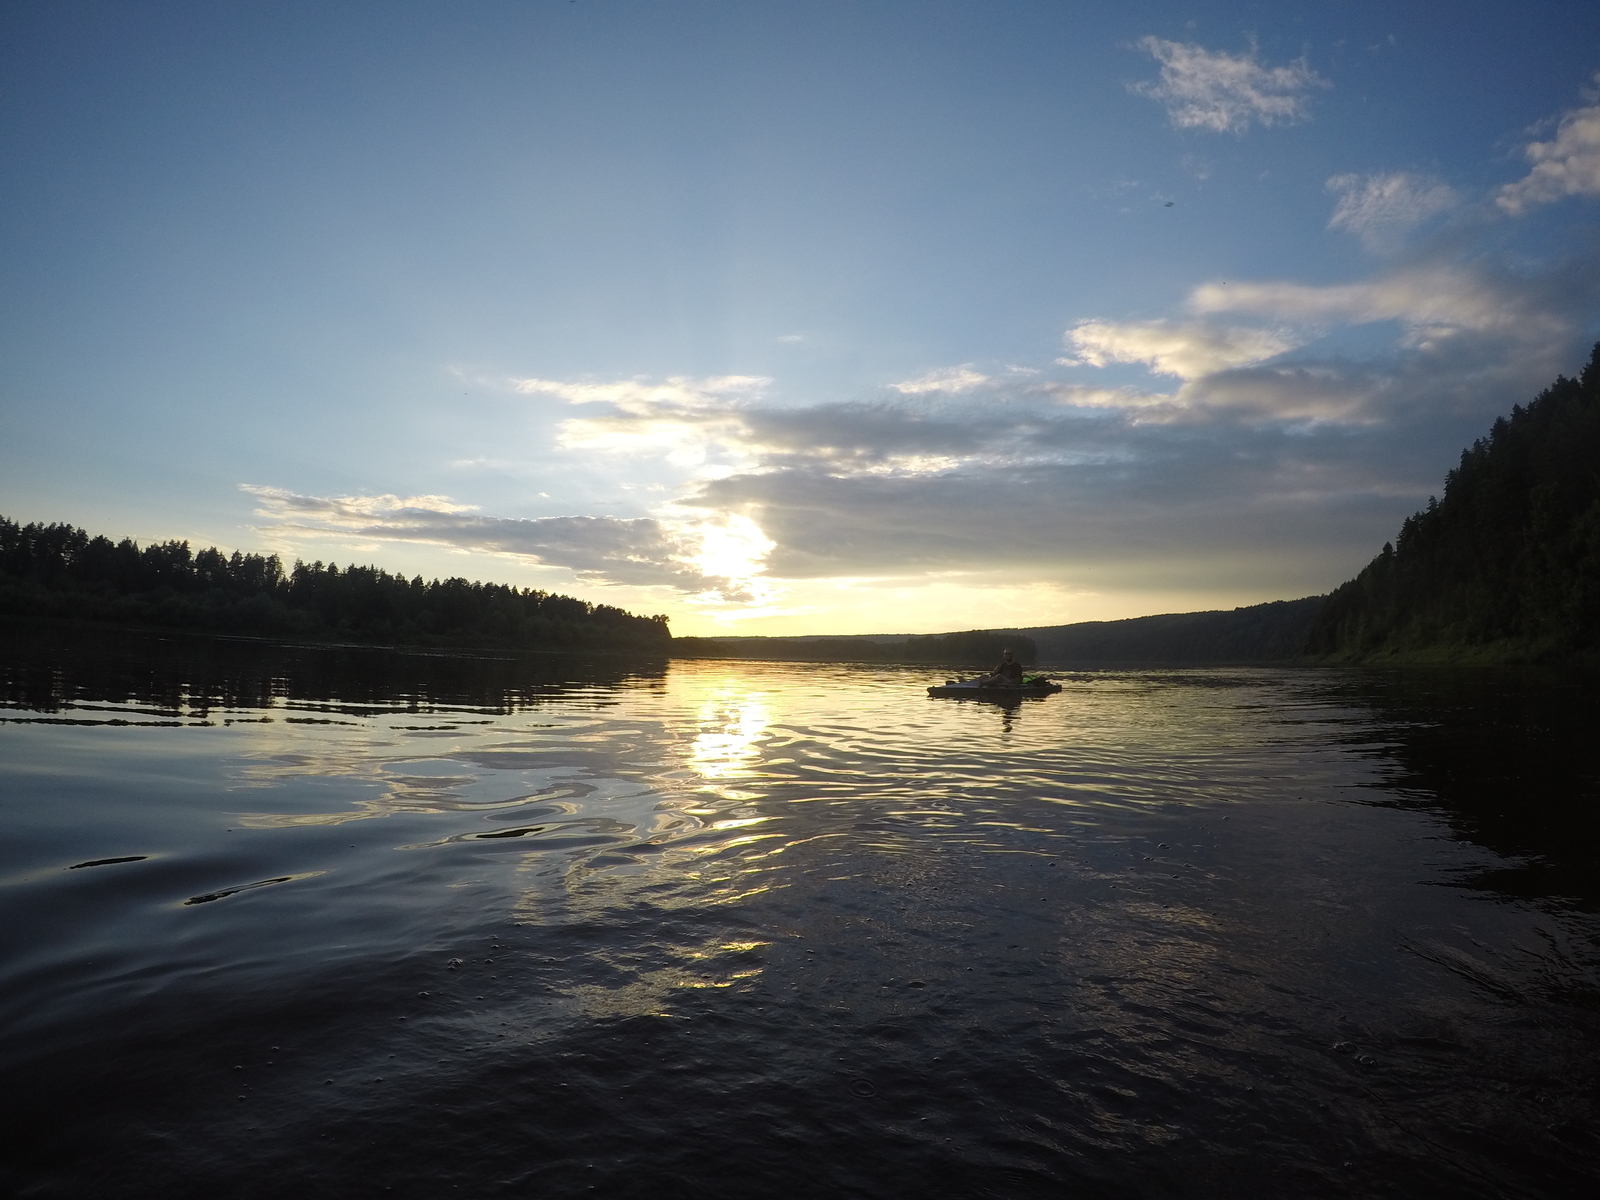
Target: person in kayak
1007, 674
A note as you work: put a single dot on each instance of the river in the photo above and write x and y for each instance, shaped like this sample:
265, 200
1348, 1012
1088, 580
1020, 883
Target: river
284, 920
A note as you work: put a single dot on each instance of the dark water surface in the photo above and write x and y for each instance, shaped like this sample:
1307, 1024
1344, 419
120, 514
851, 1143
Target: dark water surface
301, 922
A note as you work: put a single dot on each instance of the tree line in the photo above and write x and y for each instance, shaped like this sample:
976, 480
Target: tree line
1506, 564
61, 571
1274, 632
970, 647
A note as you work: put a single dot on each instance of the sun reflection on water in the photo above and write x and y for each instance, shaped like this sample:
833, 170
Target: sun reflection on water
733, 723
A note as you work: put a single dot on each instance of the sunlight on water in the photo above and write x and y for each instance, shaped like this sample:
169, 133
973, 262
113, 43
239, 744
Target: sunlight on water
732, 722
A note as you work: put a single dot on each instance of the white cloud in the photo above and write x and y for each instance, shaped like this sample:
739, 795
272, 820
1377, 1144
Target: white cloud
945, 379
1226, 93
1186, 349
1382, 209
1567, 166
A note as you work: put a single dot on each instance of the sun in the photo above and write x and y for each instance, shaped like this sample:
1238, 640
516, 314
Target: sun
735, 549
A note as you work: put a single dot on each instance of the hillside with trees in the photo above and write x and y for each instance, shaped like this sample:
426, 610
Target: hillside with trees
60, 571
1274, 632
1260, 633
1506, 565
972, 647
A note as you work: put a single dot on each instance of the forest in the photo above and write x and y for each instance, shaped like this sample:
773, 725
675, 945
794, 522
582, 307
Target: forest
1505, 566
60, 571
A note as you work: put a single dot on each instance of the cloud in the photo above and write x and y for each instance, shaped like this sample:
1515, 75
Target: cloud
1135, 506
926, 433
641, 396
1274, 466
1277, 475
1382, 209
923, 426
1186, 349
1226, 93
1567, 166
697, 557
1471, 337
1304, 421
867, 486
691, 423
1433, 301
946, 379
1321, 392
1086, 396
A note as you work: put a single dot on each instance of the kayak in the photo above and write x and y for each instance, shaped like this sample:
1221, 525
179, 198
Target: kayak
962, 690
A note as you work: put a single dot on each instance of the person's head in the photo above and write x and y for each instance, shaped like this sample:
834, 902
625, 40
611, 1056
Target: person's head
1008, 656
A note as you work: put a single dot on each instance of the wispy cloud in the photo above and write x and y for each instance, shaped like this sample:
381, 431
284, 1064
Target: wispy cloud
1187, 349
712, 429
1433, 301
1226, 93
680, 392
946, 379
1568, 165
698, 424
1382, 209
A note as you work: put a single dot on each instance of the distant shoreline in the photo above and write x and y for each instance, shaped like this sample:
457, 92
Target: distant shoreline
12, 625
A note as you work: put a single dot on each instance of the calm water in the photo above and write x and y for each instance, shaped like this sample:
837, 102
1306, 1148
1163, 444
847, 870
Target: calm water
281, 921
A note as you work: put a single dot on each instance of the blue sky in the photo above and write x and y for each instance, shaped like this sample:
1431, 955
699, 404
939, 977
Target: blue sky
788, 317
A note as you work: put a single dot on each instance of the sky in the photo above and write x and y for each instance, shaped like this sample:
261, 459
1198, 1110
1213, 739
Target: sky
788, 317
